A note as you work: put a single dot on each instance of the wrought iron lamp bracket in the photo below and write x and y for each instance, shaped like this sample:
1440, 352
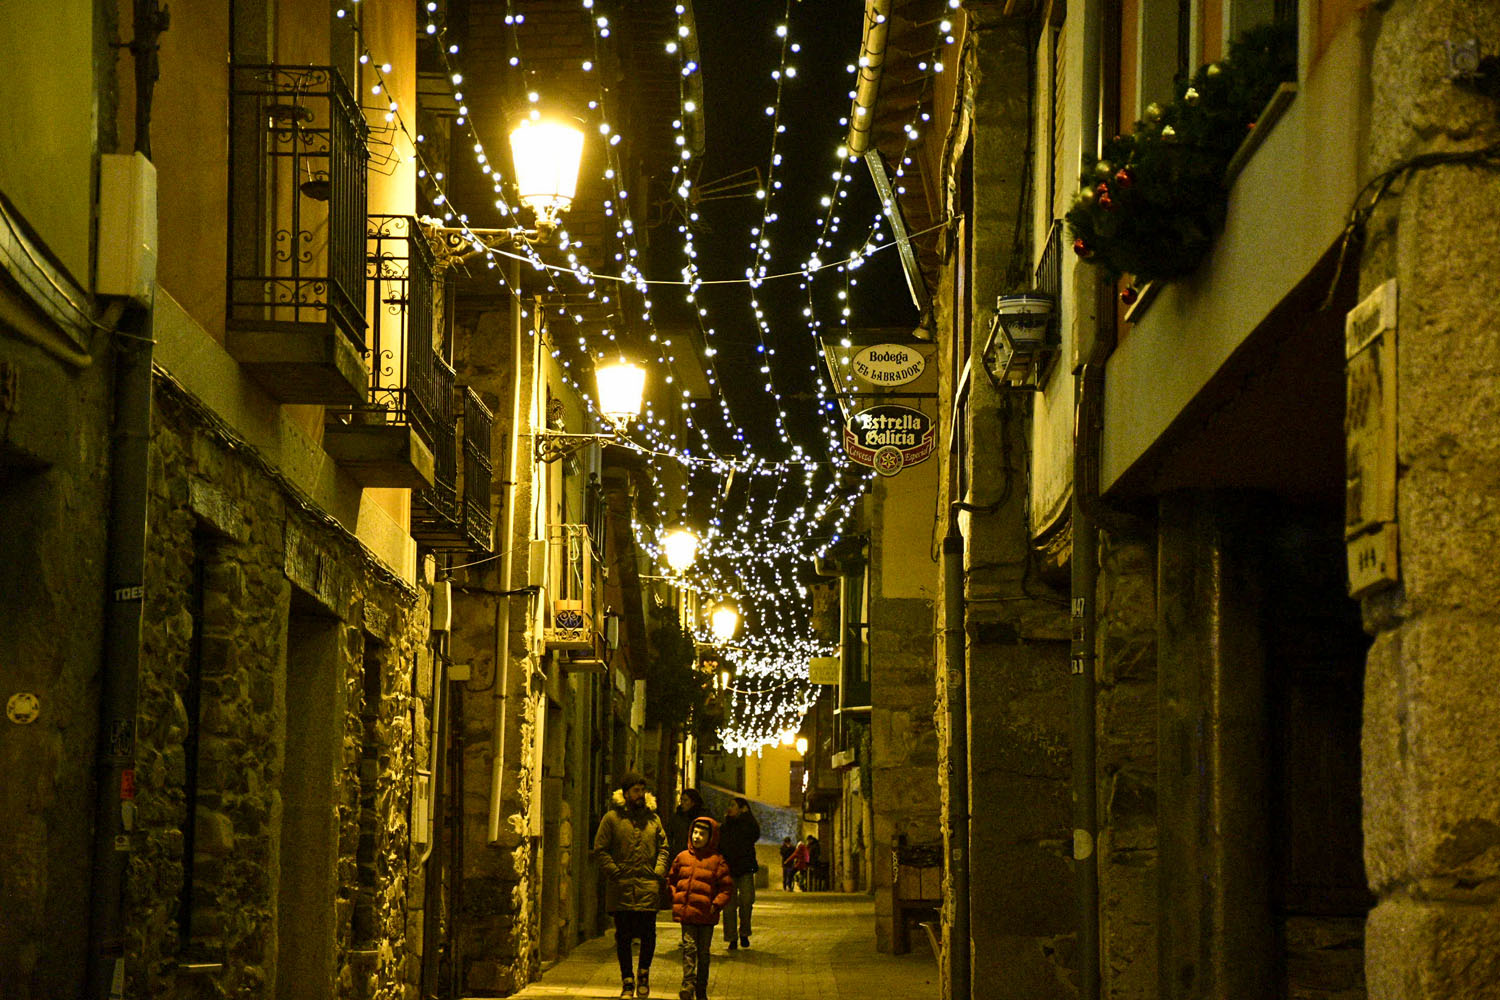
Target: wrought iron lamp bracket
553, 446
453, 245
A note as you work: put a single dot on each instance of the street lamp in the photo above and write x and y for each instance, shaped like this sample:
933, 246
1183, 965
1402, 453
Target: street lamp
724, 621
621, 386
801, 745
680, 546
546, 153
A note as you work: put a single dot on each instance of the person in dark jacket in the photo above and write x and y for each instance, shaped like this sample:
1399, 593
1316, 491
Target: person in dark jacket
700, 890
689, 807
737, 840
631, 850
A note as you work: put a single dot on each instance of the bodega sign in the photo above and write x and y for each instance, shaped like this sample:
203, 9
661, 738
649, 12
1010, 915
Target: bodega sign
889, 438
888, 364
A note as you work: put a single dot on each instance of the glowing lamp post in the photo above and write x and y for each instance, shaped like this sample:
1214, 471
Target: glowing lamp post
801, 745
681, 548
724, 621
546, 153
621, 386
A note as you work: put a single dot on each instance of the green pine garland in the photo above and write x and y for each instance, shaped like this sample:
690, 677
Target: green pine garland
1151, 206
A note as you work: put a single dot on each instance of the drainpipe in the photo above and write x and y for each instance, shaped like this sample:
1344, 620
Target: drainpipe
1085, 576
432, 894
1089, 386
114, 805
508, 556
457, 808
129, 466
958, 756
871, 63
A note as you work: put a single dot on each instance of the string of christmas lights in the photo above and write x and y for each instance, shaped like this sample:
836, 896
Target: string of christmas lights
751, 536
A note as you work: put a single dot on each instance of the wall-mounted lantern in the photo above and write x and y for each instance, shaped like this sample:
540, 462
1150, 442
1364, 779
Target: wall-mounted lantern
621, 386
546, 153
724, 621
680, 546
1021, 343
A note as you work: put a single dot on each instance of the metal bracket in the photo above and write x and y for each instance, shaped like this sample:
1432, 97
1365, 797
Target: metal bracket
553, 446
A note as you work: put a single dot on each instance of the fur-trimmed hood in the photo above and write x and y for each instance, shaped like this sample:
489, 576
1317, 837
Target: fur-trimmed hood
710, 848
617, 801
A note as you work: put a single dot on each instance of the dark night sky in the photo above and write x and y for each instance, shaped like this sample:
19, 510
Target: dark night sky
740, 49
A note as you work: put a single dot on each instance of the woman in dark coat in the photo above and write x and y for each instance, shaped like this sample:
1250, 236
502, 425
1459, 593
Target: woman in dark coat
689, 807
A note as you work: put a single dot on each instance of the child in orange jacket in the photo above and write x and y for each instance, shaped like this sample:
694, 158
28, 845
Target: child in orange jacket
701, 885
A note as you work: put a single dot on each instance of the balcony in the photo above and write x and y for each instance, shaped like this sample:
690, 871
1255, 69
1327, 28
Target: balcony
295, 317
573, 617
388, 439
477, 473
437, 510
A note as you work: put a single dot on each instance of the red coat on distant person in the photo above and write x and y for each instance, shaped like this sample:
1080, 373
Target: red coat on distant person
800, 857
700, 879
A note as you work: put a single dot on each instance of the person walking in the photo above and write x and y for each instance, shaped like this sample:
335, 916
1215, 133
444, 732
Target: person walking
689, 807
701, 887
800, 858
737, 839
630, 848
787, 850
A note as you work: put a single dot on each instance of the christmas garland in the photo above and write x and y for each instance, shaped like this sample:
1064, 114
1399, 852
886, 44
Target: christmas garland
1152, 204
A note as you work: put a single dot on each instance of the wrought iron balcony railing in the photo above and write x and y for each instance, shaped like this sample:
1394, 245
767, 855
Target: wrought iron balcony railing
437, 510
400, 281
388, 439
477, 472
297, 197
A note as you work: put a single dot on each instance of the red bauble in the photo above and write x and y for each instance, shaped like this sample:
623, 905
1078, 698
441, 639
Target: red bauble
1081, 248
1106, 202
1125, 177
1128, 295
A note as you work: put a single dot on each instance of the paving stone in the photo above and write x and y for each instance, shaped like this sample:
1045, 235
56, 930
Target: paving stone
806, 946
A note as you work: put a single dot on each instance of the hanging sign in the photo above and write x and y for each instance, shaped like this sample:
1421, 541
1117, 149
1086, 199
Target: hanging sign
889, 438
888, 364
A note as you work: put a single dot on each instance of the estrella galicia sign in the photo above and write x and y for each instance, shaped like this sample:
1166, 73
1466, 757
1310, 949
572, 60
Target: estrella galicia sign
889, 438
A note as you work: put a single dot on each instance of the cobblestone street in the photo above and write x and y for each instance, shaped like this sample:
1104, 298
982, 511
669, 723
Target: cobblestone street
806, 946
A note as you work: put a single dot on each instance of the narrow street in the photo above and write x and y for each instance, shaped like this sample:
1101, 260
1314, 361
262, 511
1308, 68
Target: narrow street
805, 946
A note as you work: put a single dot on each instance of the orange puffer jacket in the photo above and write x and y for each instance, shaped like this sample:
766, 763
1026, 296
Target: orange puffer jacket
700, 880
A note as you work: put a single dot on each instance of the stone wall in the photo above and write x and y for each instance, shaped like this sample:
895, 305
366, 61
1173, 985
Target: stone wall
1431, 743
1022, 920
903, 752
497, 935
1127, 761
54, 464
273, 846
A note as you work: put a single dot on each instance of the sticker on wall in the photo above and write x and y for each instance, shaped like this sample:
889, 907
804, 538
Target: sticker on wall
23, 708
890, 438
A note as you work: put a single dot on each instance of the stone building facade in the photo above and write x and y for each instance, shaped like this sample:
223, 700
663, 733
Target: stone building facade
285, 703
1275, 790
224, 673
